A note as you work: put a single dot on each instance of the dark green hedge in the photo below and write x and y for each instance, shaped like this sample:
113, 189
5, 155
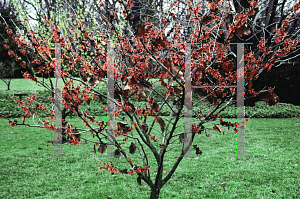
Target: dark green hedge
261, 110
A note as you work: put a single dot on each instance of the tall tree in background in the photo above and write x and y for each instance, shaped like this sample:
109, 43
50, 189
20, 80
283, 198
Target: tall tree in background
270, 15
8, 65
10, 17
267, 17
7, 72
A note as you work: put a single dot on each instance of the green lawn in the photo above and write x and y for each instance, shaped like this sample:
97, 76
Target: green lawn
27, 171
273, 172
25, 84
18, 83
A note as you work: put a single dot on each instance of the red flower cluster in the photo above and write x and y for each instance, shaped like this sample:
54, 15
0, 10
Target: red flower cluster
11, 53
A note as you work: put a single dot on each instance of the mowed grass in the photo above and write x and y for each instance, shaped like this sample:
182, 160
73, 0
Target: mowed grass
273, 172
27, 171
25, 84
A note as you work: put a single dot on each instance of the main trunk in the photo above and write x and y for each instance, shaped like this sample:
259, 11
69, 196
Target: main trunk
154, 193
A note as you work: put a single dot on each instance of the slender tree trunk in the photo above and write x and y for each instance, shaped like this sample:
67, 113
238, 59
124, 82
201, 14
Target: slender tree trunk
154, 193
7, 83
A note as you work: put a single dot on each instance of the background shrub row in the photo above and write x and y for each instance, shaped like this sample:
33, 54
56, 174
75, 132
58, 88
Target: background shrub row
261, 110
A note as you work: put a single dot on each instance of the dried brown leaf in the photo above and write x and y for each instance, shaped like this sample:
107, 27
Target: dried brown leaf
132, 148
117, 153
161, 122
155, 107
219, 128
239, 32
102, 148
245, 30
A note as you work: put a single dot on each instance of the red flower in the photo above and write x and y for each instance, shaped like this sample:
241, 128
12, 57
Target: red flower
12, 124
129, 160
139, 111
9, 31
285, 22
131, 172
52, 111
26, 75
11, 53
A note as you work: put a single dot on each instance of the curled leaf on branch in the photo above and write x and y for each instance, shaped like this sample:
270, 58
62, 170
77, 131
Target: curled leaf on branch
141, 87
218, 128
198, 151
162, 41
250, 77
131, 61
168, 63
117, 153
181, 138
93, 81
177, 90
175, 70
84, 78
155, 107
126, 91
161, 122
141, 31
132, 148
132, 80
243, 30
182, 52
102, 148
141, 93
144, 127
246, 31
267, 96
